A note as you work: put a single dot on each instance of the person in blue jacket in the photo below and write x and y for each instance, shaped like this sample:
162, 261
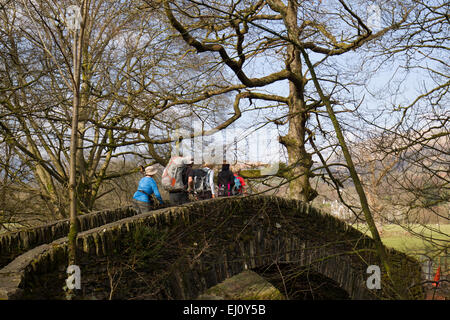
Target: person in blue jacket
142, 198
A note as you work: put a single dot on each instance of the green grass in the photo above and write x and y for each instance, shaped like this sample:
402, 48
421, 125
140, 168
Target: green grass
394, 236
245, 286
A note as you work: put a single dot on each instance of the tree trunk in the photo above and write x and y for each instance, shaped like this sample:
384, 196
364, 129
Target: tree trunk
401, 292
74, 139
300, 161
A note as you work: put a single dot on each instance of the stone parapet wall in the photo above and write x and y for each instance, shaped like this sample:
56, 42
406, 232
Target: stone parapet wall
206, 242
12, 244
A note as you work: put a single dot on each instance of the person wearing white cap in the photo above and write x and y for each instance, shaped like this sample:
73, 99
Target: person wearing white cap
142, 198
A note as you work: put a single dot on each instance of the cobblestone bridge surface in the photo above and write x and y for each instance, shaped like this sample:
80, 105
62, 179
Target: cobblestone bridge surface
179, 252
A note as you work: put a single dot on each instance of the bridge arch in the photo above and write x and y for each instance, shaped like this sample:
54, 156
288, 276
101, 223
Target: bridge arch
178, 252
296, 282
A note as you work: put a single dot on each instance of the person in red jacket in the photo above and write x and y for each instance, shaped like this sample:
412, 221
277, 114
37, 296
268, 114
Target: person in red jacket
242, 189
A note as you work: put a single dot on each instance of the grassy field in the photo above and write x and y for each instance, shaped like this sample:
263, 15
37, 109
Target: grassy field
396, 237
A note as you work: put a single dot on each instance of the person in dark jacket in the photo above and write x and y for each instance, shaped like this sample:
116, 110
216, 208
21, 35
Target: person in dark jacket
225, 181
142, 198
206, 174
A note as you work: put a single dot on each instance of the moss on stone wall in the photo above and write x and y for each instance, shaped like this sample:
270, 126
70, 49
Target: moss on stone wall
13, 244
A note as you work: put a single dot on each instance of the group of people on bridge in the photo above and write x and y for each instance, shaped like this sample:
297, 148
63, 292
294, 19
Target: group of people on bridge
185, 182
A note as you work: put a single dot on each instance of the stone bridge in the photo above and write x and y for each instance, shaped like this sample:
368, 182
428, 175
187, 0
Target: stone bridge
179, 252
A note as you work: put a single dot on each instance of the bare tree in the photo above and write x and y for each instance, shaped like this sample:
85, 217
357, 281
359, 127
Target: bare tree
137, 85
407, 138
